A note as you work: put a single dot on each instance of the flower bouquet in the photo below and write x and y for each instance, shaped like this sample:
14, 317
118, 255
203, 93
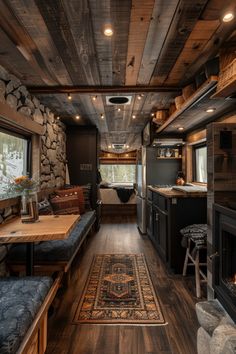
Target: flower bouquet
27, 188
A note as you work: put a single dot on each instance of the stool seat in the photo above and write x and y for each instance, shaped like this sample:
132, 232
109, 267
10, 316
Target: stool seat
195, 240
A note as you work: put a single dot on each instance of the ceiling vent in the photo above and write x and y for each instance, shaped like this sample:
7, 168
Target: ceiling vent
118, 146
167, 142
118, 100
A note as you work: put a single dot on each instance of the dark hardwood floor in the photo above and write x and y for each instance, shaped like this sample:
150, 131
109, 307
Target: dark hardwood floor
176, 295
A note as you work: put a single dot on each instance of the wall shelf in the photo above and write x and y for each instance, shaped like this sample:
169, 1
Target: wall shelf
169, 158
194, 99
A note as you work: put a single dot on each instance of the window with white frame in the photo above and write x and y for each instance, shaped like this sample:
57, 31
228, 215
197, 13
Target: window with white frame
13, 159
115, 173
200, 163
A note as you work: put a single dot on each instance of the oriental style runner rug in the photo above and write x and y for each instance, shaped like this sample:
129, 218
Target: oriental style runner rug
119, 290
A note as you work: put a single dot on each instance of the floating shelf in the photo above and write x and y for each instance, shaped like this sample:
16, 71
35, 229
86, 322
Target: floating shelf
198, 95
169, 158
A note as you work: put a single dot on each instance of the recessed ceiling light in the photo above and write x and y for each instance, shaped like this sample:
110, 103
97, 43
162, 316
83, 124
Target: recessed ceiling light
102, 116
118, 109
133, 116
127, 146
139, 97
180, 128
210, 110
229, 16
108, 31
94, 98
109, 146
77, 117
153, 114
69, 96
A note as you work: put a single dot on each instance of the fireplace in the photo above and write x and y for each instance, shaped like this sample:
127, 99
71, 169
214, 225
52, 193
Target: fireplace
224, 257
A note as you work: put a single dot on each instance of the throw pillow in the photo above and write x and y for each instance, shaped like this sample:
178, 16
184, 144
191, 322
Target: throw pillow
87, 196
45, 207
77, 191
65, 205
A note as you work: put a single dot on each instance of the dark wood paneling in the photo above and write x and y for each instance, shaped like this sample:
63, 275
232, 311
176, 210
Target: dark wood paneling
161, 20
183, 22
82, 148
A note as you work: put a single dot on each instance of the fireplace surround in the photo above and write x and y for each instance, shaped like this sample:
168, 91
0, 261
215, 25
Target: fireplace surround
224, 257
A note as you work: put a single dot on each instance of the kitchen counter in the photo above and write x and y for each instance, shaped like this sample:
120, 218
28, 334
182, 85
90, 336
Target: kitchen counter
172, 193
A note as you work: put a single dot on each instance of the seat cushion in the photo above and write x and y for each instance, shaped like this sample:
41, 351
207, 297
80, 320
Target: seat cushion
58, 250
195, 231
20, 300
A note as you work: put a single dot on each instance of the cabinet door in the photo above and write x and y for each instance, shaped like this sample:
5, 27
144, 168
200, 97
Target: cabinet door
163, 236
149, 219
155, 214
160, 232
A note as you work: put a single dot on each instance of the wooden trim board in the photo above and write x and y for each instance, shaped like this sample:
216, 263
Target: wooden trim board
15, 119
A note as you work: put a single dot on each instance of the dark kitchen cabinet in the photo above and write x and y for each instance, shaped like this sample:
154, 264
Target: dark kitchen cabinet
169, 216
160, 219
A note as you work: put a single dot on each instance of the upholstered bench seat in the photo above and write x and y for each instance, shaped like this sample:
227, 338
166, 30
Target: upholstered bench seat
58, 250
20, 300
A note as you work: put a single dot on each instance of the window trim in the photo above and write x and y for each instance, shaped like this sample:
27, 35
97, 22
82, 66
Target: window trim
194, 148
28, 139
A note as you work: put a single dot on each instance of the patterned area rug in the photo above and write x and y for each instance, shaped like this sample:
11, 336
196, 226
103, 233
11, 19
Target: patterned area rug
119, 291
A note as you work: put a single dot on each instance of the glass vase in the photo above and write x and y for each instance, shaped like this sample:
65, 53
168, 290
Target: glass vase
29, 206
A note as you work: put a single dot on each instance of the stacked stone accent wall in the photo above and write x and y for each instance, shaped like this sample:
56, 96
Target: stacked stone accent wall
53, 141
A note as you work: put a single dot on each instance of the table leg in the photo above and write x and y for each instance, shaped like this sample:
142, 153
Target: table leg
30, 258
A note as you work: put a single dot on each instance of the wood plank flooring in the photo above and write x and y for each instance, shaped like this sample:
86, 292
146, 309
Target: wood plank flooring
176, 295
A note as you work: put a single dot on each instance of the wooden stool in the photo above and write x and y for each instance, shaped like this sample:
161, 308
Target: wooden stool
196, 236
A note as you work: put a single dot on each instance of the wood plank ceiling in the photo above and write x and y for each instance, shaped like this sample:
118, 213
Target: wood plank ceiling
58, 46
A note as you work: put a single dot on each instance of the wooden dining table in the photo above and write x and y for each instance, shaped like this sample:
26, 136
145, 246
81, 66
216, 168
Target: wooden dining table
47, 228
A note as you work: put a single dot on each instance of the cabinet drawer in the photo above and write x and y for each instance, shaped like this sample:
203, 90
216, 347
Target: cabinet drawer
160, 201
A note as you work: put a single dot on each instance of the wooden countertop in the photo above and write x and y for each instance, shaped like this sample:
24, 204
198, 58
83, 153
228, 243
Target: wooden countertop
171, 193
49, 227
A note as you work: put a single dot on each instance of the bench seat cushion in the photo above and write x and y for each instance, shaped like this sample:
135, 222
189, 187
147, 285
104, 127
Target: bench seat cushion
58, 250
20, 300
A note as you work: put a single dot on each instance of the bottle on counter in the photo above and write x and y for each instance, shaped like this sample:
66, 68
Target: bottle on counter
180, 181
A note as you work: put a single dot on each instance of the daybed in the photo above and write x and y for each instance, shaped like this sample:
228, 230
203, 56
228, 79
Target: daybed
111, 202
24, 304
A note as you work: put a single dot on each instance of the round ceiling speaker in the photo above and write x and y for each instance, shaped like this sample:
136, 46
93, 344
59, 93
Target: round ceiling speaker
118, 100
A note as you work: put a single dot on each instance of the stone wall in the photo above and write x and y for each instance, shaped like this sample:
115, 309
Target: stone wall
53, 141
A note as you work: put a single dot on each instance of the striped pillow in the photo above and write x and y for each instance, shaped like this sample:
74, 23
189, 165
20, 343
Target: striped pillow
65, 205
87, 196
87, 188
78, 192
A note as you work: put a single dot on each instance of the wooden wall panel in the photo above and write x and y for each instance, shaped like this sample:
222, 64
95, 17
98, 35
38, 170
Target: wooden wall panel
201, 34
184, 20
140, 20
47, 55
161, 20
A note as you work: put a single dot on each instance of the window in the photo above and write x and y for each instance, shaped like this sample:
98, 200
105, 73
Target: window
118, 173
13, 158
200, 168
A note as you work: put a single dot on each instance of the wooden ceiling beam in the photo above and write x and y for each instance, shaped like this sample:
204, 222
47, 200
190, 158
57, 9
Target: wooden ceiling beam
100, 89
